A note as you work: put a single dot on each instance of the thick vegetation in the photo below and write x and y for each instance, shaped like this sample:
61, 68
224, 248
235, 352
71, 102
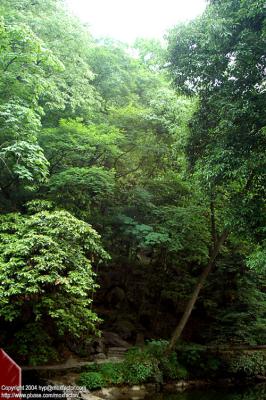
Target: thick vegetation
126, 176
152, 365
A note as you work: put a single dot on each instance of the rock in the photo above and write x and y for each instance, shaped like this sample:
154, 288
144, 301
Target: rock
99, 346
173, 387
137, 388
116, 296
112, 339
183, 385
110, 393
116, 352
152, 387
89, 396
135, 392
124, 392
126, 328
80, 347
107, 392
100, 356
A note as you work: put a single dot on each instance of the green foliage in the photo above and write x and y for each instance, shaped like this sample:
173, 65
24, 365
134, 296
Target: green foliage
248, 364
75, 144
226, 141
140, 367
219, 57
171, 369
150, 52
26, 161
73, 94
93, 133
237, 311
152, 364
114, 72
113, 373
199, 360
140, 235
33, 343
91, 380
157, 348
25, 68
25, 65
82, 187
257, 260
46, 270
161, 217
120, 78
191, 353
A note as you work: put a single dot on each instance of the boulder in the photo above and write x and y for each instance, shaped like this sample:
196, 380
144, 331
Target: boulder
100, 356
116, 352
112, 339
89, 396
126, 328
116, 296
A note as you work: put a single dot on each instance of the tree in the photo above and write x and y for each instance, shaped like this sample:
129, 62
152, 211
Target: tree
75, 144
70, 41
220, 57
47, 277
25, 68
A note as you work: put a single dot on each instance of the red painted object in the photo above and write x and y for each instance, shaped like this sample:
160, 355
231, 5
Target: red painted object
10, 377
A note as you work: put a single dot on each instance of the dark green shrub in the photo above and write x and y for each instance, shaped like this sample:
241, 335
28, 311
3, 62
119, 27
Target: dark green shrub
92, 380
156, 347
113, 373
91, 367
190, 355
169, 366
171, 369
140, 366
248, 364
33, 343
212, 364
198, 360
151, 365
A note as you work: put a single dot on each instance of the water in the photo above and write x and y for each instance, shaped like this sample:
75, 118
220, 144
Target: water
257, 392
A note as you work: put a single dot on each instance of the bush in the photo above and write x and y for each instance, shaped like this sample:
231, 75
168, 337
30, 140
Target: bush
169, 365
140, 366
46, 268
92, 380
248, 364
113, 373
33, 343
198, 360
190, 354
171, 369
157, 347
152, 365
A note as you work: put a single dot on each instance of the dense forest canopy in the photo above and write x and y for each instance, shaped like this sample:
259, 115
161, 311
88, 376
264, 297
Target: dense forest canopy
121, 170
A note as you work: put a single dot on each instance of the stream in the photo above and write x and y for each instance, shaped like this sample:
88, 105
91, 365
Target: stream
257, 392
252, 392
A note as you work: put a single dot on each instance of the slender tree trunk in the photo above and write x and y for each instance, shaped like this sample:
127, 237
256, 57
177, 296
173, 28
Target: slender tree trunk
212, 218
189, 307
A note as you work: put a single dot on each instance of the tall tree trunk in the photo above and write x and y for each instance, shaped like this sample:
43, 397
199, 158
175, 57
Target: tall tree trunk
212, 218
189, 307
